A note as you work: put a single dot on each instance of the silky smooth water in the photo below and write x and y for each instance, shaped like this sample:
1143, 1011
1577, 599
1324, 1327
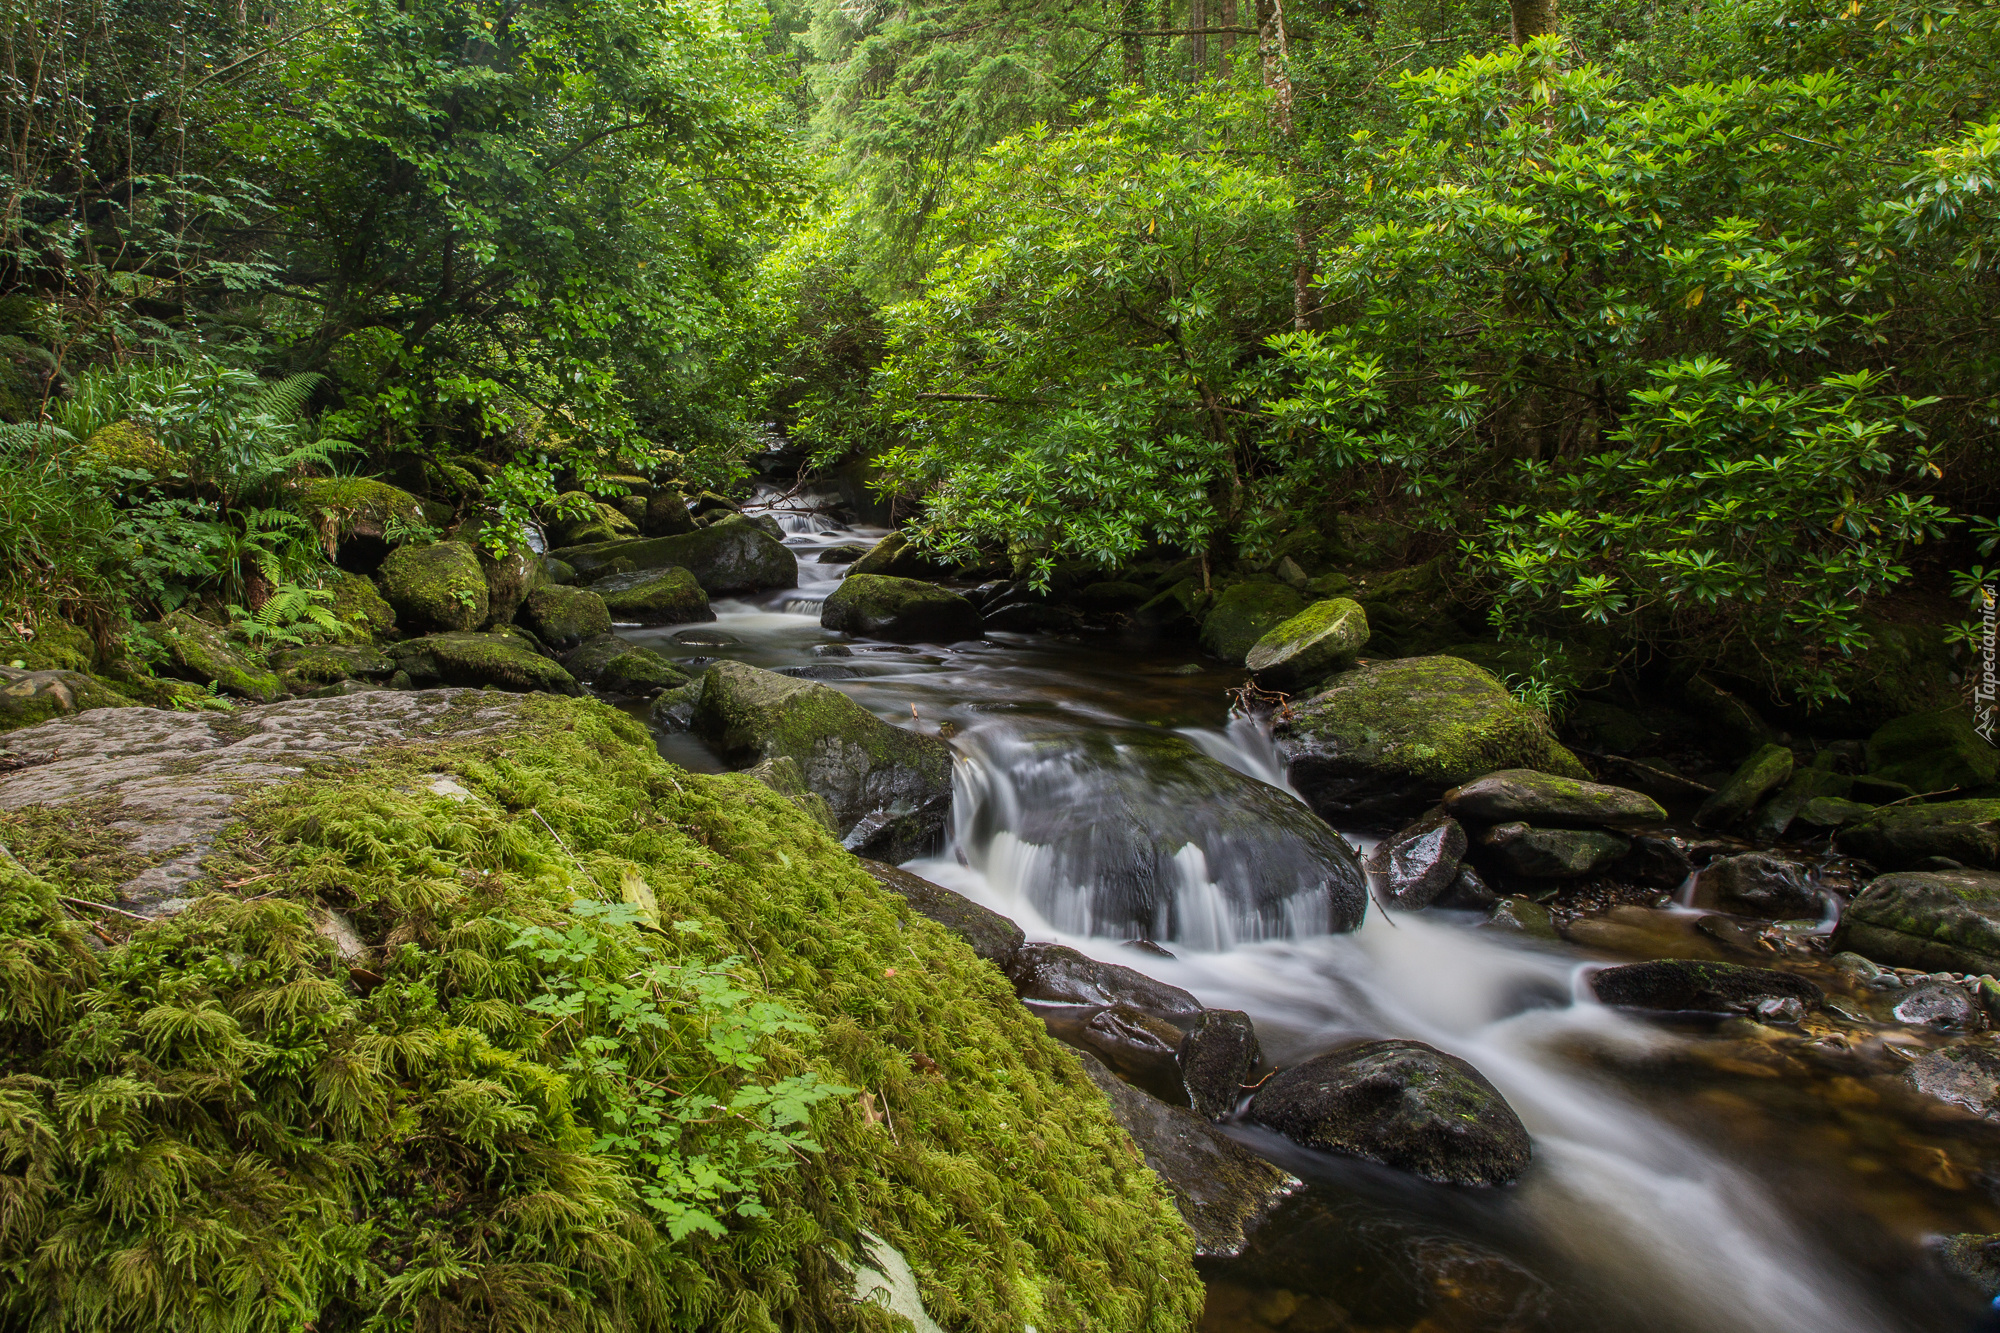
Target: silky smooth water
1687, 1177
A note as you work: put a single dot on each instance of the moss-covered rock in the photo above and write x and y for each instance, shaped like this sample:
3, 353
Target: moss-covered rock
1324, 638
438, 587
1051, 1218
615, 665
359, 510
509, 580
28, 698
1242, 614
358, 604
1942, 920
1807, 785
1410, 611
1903, 836
600, 522
987, 933
1762, 773
890, 789
563, 617
783, 776
876, 606
202, 653
1540, 853
1178, 610
1547, 800
726, 558
303, 669
48, 643
1388, 738
666, 514
473, 658
654, 597
894, 557
129, 445
1933, 752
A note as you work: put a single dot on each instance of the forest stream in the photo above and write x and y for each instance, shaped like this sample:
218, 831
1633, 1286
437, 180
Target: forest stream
1688, 1175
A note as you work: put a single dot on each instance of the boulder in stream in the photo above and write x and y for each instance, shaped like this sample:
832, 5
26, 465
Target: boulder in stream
1242, 614
1403, 1104
1324, 638
1938, 921
1687, 985
615, 665
1389, 738
563, 617
1556, 853
726, 558
664, 596
474, 658
1966, 1074
1216, 1059
1766, 770
1420, 862
1547, 800
1905, 836
1940, 1005
1759, 884
894, 557
890, 788
991, 936
1058, 974
875, 606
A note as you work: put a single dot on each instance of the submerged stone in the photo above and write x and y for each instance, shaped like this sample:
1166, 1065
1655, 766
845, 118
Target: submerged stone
1681, 984
1966, 1074
1403, 1104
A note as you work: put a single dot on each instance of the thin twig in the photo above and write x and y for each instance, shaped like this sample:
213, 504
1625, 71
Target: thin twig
536, 812
102, 907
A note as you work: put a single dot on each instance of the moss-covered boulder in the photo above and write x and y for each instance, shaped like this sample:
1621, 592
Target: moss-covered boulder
133, 447
1177, 611
359, 604
48, 643
666, 514
615, 665
469, 657
1765, 771
1550, 801
654, 597
1410, 611
509, 580
1242, 614
894, 557
437, 587
726, 558
1324, 638
1540, 853
356, 515
308, 668
31, 697
1933, 752
875, 606
1902, 837
890, 789
466, 823
1403, 1104
1939, 921
597, 522
784, 777
564, 617
1387, 739
203, 653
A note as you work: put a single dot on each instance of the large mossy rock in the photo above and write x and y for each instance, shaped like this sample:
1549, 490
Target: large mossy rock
1765, 771
509, 580
1403, 1104
31, 697
987, 933
1939, 921
1933, 752
436, 588
654, 597
1905, 836
456, 819
1244, 613
308, 668
202, 653
1546, 800
1324, 638
875, 606
666, 514
890, 789
359, 604
356, 515
469, 657
727, 558
1389, 738
613, 664
1681, 984
1552, 853
563, 617
894, 557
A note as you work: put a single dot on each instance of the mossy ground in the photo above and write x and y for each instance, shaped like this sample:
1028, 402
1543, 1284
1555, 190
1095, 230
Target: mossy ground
211, 1124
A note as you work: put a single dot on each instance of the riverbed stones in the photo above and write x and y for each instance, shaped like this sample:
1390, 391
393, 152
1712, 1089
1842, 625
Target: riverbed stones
1539, 853
1058, 974
1688, 985
990, 935
897, 781
1759, 884
1324, 638
1389, 738
201, 653
1965, 1074
563, 617
875, 606
1547, 800
727, 558
1401, 1103
474, 658
1523, 916
1221, 1189
666, 596
1420, 862
435, 588
1937, 921
1217, 1057
1937, 751
1766, 770
1902, 837
31, 697
1244, 613
1940, 1005
1971, 1258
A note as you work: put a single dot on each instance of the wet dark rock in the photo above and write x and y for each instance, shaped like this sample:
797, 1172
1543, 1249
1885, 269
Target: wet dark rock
1938, 1004
1965, 1074
1137, 1045
832, 650
1222, 1189
1553, 853
1526, 917
1759, 884
1388, 738
1467, 892
1685, 984
706, 638
726, 558
992, 936
1769, 768
878, 607
844, 554
1938, 921
894, 557
1058, 974
868, 770
1832, 812
673, 710
474, 658
1240, 615
1110, 597
1147, 946
1937, 751
1421, 861
1548, 801
615, 665
1899, 837
1657, 860
1971, 1258
1216, 1059
1807, 785
665, 596
1403, 1104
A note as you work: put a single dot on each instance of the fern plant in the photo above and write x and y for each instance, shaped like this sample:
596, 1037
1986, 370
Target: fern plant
292, 615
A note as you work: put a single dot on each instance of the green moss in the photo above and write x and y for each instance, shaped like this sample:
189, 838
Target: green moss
885, 607
358, 604
1244, 613
654, 597
478, 659
345, 507
1323, 638
439, 587
327, 664
1933, 752
268, 1141
563, 616
127, 444
51, 644
202, 653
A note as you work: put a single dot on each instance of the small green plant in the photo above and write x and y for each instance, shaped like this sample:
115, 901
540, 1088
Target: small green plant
292, 615
1546, 688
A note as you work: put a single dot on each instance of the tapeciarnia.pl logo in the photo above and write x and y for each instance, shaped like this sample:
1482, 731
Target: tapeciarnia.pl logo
1984, 690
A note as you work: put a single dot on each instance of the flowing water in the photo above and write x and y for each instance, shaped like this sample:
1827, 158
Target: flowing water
1688, 1177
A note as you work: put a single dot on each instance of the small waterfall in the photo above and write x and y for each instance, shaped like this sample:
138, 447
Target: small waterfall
802, 514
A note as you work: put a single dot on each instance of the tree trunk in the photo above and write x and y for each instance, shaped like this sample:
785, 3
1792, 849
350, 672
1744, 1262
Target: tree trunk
1133, 15
1532, 19
1198, 39
1228, 38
